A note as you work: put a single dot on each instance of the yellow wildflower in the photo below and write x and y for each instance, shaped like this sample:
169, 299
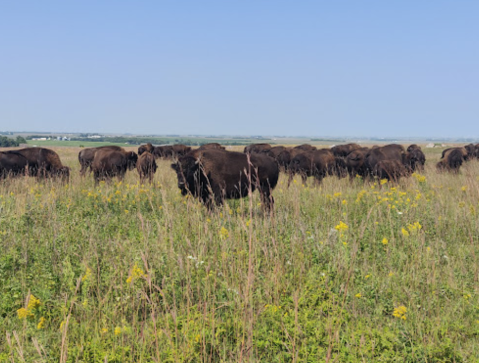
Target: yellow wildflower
464, 188
41, 322
117, 330
400, 312
341, 226
344, 202
136, 272
384, 241
383, 181
405, 232
358, 295
391, 274
23, 313
367, 276
224, 233
104, 331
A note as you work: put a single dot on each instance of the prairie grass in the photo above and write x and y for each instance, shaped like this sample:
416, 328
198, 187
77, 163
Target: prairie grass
342, 272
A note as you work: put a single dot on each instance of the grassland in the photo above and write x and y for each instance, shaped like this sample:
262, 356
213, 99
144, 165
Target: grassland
344, 272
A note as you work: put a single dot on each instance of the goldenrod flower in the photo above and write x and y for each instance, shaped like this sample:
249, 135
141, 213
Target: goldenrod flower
33, 303
23, 313
41, 322
136, 272
400, 312
224, 233
341, 226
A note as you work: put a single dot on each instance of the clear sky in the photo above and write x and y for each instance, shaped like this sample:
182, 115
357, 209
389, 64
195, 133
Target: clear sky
312, 68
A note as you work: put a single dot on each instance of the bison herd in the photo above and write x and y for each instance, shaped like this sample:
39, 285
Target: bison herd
212, 174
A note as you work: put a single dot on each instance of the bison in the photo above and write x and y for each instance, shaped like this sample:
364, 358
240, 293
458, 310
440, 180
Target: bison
86, 156
305, 147
12, 163
318, 163
109, 163
387, 152
344, 150
256, 148
415, 159
211, 145
146, 166
44, 163
391, 170
215, 175
171, 151
452, 159
355, 162
145, 148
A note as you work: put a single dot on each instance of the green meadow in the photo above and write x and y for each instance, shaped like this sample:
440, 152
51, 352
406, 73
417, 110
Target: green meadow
343, 272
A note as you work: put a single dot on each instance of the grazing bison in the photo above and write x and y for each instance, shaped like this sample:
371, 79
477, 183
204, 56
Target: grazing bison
44, 163
391, 170
215, 175
86, 156
463, 151
165, 151
256, 148
171, 151
318, 163
355, 162
211, 145
12, 163
344, 150
305, 147
415, 159
146, 166
145, 148
387, 152
109, 163
452, 159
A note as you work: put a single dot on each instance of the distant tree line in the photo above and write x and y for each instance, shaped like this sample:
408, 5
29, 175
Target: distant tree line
9, 142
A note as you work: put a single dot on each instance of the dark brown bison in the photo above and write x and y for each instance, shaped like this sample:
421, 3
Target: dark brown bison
391, 170
280, 154
463, 151
86, 156
215, 175
44, 163
387, 152
355, 162
211, 145
305, 147
413, 147
256, 148
109, 163
146, 166
145, 148
165, 151
317, 163
344, 150
452, 159
171, 151
415, 159
12, 163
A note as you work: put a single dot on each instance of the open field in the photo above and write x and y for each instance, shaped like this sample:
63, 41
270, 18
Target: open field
343, 272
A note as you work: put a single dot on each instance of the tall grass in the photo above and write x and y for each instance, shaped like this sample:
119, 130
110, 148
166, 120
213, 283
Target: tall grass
343, 272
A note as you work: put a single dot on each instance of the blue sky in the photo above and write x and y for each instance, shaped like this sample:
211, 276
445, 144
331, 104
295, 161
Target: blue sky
312, 68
